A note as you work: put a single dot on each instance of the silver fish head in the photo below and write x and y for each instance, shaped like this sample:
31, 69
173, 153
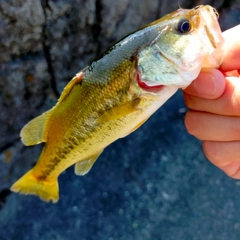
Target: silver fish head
185, 41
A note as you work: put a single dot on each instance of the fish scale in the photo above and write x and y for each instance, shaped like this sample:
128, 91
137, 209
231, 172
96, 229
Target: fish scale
91, 108
117, 93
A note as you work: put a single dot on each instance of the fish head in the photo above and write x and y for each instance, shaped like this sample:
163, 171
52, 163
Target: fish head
185, 42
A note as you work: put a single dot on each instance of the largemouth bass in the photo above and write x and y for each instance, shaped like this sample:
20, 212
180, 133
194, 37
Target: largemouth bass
117, 93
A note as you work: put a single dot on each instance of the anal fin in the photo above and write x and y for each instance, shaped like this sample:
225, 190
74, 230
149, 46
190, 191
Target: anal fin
84, 166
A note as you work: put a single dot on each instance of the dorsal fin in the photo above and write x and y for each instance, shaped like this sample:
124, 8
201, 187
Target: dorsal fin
33, 132
67, 90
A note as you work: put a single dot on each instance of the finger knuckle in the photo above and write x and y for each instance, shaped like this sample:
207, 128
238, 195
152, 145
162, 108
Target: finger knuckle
212, 152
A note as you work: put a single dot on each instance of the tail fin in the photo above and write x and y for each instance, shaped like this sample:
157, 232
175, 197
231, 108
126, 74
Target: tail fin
29, 184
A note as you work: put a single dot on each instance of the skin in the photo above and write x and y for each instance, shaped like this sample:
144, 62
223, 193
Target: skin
214, 103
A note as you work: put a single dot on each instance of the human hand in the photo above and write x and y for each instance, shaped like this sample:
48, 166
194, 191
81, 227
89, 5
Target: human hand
214, 103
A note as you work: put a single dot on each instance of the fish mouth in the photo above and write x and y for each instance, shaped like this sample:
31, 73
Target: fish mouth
148, 88
211, 28
214, 39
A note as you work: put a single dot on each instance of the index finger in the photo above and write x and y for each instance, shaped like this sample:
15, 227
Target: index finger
231, 49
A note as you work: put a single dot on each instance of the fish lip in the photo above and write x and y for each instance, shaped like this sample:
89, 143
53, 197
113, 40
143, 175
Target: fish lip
214, 37
144, 86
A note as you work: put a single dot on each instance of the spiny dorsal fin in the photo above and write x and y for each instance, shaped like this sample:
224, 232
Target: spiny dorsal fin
84, 166
67, 90
33, 132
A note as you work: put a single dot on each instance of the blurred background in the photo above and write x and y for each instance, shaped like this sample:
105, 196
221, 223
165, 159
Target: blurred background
154, 184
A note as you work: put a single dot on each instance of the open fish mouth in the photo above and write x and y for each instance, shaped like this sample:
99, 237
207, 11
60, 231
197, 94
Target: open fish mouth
149, 88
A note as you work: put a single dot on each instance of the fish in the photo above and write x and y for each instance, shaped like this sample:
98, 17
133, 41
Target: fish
117, 93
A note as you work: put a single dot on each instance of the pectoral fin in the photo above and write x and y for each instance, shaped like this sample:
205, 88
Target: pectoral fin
120, 111
33, 132
84, 166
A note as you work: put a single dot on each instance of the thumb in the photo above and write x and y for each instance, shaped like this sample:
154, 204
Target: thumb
209, 84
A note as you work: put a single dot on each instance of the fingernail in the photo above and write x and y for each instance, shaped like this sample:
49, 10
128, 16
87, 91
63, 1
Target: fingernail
205, 84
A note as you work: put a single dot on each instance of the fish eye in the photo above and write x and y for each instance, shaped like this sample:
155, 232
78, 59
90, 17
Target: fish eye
183, 26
